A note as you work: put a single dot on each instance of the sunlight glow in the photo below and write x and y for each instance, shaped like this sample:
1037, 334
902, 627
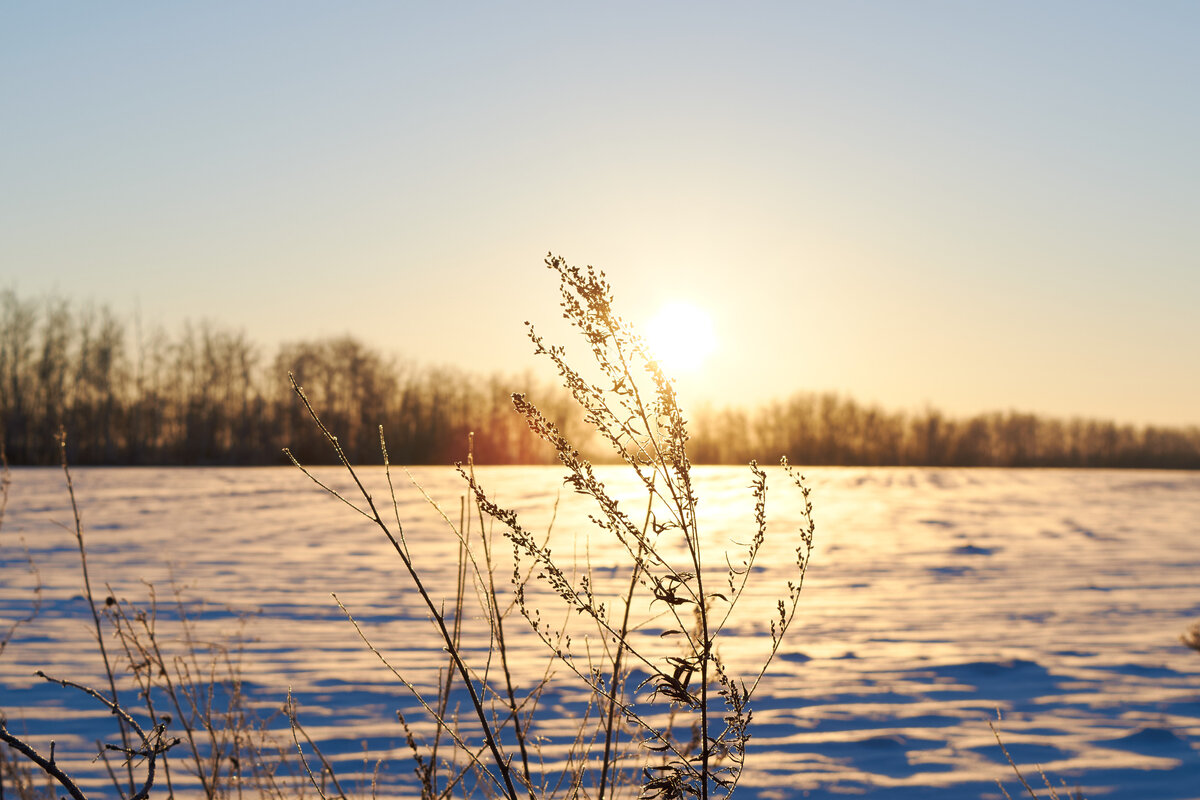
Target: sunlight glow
681, 337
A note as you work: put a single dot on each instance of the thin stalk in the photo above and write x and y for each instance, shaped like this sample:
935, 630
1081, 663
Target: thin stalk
464, 521
687, 520
150, 749
498, 618
87, 586
609, 724
502, 763
144, 676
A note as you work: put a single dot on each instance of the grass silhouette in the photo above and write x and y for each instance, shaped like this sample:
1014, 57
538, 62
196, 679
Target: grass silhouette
700, 749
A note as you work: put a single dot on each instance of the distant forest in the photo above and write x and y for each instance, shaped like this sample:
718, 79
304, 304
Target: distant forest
208, 396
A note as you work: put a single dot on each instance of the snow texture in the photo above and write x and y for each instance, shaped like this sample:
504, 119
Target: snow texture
935, 599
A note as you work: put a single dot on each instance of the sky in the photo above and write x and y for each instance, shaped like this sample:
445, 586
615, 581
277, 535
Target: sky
974, 206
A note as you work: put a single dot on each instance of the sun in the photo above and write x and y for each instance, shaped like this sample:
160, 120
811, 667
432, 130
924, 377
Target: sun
681, 337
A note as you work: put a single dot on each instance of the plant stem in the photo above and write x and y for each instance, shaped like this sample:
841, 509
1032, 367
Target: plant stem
87, 586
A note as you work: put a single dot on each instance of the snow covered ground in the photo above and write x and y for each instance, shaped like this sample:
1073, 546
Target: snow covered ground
934, 599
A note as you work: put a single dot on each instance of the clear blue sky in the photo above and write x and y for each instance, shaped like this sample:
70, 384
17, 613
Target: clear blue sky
982, 206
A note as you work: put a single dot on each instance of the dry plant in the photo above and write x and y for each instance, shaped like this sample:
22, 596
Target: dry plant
194, 688
1191, 637
478, 736
189, 689
686, 718
151, 745
15, 771
1052, 792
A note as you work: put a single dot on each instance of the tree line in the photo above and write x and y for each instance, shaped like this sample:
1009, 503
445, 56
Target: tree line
830, 429
203, 395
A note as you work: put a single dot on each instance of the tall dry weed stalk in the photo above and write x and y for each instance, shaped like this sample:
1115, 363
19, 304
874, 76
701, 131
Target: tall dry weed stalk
681, 729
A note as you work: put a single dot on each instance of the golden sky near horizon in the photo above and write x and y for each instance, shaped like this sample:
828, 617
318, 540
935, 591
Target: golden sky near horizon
975, 206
